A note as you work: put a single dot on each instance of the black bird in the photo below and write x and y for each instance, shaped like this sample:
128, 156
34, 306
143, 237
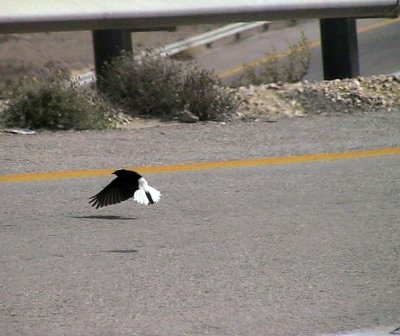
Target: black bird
127, 184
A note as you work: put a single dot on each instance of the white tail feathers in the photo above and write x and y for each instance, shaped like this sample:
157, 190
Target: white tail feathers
145, 194
140, 197
155, 194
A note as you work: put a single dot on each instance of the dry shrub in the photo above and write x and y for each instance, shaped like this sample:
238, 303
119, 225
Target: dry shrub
289, 70
49, 100
149, 83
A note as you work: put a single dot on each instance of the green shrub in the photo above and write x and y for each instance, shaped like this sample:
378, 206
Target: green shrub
49, 100
149, 83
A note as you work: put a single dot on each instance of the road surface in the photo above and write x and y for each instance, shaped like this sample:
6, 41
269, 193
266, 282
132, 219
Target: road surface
378, 48
285, 249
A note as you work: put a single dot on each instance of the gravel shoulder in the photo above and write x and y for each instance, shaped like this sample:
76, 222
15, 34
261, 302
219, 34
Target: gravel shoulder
278, 100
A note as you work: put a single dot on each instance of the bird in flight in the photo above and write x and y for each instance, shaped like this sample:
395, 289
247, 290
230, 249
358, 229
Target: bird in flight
127, 184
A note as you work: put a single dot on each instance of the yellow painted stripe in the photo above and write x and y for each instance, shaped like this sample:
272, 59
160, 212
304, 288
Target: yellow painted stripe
377, 25
266, 58
265, 161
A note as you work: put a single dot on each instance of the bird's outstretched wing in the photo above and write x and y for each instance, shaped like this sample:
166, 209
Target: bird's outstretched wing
117, 191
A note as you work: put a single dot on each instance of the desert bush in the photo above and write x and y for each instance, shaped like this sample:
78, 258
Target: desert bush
204, 96
290, 70
151, 84
299, 56
49, 100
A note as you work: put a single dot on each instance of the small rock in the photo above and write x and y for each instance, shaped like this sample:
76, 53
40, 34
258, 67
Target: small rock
19, 131
299, 113
187, 117
273, 86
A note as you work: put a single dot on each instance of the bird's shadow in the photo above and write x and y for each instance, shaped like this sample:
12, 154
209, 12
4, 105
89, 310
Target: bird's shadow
105, 217
121, 251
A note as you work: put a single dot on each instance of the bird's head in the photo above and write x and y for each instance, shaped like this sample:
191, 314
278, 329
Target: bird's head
122, 173
127, 174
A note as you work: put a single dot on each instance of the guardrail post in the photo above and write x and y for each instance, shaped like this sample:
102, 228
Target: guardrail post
339, 48
109, 43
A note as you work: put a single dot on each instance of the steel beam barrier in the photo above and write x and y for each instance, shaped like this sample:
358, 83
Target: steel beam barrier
339, 48
107, 44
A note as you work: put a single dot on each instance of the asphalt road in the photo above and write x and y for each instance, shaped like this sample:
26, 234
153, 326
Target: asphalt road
378, 52
378, 48
300, 249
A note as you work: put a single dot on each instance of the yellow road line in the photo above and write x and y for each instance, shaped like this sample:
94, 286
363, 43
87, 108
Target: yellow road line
266, 58
265, 161
377, 25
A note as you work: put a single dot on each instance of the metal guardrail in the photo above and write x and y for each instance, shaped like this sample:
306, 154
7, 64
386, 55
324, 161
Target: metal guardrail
212, 36
110, 19
61, 15
192, 42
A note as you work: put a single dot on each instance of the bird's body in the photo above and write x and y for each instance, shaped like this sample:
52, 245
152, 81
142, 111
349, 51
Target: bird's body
127, 184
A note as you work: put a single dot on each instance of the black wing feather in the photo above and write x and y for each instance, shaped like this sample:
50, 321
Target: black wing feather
115, 192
